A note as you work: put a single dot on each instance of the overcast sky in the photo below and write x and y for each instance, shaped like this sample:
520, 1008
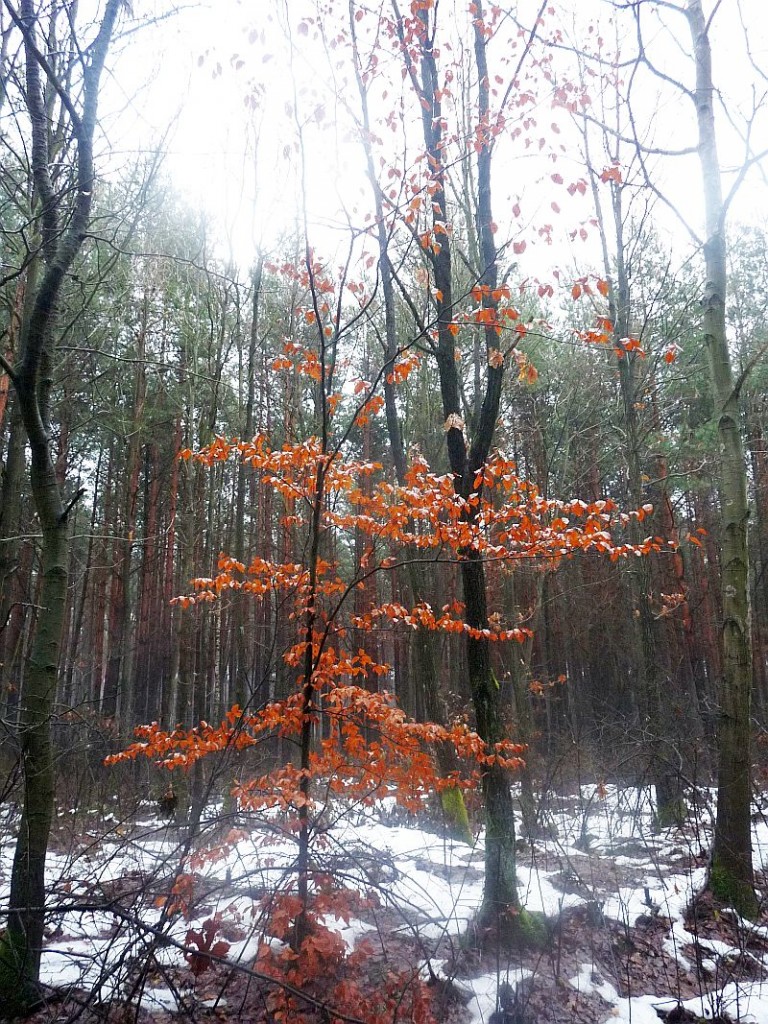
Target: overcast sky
214, 83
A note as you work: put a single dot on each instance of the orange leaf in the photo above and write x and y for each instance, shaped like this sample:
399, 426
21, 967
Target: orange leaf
611, 174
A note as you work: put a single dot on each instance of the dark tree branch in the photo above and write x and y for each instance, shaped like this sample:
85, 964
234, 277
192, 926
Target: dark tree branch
71, 504
41, 60
8, 368
740, 381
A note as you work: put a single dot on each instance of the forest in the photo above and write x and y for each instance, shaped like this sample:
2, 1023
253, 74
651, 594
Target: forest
383, 556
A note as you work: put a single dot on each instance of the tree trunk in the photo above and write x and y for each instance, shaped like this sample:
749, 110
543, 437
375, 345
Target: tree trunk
72, 684
500, 907
13, 582
656, 708
126, 639
731, 876
63, 229
424, 645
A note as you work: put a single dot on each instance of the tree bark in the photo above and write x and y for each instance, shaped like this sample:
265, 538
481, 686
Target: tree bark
731, 875
424, 645
63, 230
501, 904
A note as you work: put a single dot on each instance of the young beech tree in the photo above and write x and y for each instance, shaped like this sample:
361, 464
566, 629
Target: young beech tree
65, 81
474, 305
351, 741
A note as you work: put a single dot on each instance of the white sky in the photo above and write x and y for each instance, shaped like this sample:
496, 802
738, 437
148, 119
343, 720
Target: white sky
221, 74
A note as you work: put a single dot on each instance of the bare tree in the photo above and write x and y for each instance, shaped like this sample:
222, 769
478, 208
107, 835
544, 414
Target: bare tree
731, 876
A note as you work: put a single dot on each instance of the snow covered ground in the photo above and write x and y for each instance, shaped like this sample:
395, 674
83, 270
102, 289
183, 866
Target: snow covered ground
109, 919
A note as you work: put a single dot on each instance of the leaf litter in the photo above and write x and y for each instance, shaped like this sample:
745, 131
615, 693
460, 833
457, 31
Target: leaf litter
633, 937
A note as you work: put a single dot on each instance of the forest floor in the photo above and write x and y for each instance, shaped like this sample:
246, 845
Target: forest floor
631, 940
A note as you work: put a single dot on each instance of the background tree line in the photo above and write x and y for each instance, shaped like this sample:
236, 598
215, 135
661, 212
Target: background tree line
175, 349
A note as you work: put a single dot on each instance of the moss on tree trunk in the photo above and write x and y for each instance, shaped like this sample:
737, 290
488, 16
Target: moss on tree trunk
64, 219
731, 877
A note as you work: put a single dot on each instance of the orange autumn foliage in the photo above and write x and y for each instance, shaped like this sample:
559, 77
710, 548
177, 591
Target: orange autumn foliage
365, 747
505, 519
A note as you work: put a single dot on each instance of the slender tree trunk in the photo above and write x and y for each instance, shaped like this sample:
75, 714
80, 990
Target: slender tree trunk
126, 644
500, 908
731, 875
658, 737
520, 675
424, 642
78, 616
13, 583
242, 675
169, 615
148, 680
757, 450
62, 237
99, 615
